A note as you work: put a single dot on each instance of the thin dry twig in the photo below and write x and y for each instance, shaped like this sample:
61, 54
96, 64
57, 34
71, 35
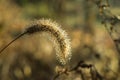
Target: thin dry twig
81, 64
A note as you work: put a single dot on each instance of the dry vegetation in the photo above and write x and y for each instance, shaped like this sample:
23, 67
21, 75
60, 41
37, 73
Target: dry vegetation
93, 29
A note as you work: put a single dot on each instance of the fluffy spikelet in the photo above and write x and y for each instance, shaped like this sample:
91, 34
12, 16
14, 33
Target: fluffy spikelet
59, 36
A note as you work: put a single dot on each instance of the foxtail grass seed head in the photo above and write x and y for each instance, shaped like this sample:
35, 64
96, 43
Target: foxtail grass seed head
58, 35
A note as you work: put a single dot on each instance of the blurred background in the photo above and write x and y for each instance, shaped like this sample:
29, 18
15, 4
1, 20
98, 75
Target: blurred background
33, 57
